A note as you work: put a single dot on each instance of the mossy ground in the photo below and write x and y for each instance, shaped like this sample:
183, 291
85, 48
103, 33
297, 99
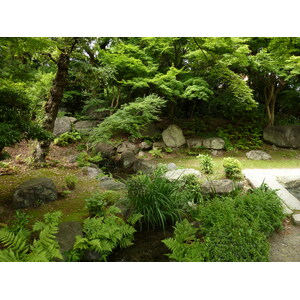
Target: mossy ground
73, 204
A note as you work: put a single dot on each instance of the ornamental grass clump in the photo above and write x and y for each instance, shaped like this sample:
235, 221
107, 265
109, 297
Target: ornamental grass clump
156, 198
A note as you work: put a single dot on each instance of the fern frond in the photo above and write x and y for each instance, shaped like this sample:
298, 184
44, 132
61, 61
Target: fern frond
13, 241
134, 218
8, 255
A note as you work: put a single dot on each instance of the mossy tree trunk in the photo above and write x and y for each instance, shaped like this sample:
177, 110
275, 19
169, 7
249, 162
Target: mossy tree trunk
56, 94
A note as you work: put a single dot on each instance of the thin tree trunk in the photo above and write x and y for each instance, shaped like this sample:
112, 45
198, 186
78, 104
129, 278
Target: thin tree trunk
51, 108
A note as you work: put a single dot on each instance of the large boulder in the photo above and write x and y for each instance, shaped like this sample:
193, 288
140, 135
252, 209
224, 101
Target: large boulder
92, 171
127, 146
258, 155
180, 173
283, 136
34, 192
67, 231
112, 185
63, 125
173, 136
223, 186
105, 149
150, 130
127, 159
214, 143
195, 142
144, 166
85, 126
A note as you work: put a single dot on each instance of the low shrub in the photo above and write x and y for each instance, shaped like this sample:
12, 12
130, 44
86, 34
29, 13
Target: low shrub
71, 181
231, 229
156, 198
85, 159
97, 203
232, 168
206, 163
67, 138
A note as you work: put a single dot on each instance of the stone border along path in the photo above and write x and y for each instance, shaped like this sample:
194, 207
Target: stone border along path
273, 178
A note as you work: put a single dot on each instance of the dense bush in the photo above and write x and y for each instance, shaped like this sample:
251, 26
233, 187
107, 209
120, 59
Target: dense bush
156, 198
232, 168
231, 229
85, 159
243, 137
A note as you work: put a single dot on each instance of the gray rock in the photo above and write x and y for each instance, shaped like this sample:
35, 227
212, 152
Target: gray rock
67, 232
112, 185
127, 146
150, 130
171, 167
283, 136
180, 173
127, 159
258, 155
214, 143
91, 171
33, 192
105, 178
195, 142
145, 146
223, 186
84, 127
63, 125
105, 149
173, 136
141, 154
92, 113
144, 166
296, 219
158, 145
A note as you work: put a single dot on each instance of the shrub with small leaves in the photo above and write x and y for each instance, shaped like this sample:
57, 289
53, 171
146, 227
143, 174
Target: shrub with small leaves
206, 163
71, 181
67, 138
232, 168
85, 159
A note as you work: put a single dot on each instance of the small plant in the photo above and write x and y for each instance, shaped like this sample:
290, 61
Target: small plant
84, 159
71, 181
156, 153
67, 138
168, 149
192, 187
232, 168
206, 163
97, 203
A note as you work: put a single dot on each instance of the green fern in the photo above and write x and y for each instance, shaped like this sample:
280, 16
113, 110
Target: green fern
18, 247
104, 234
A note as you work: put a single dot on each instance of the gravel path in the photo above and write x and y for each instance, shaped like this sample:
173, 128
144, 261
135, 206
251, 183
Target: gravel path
285, 245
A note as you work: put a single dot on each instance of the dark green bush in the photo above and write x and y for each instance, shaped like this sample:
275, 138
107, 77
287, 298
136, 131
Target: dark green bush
229, 229
156, 198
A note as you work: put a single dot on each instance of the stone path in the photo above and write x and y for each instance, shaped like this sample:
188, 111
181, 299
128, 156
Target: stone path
273, 178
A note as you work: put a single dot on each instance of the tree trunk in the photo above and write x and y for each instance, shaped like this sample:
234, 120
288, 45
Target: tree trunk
52, 105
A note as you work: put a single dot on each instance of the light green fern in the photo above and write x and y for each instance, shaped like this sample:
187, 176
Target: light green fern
18, 248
